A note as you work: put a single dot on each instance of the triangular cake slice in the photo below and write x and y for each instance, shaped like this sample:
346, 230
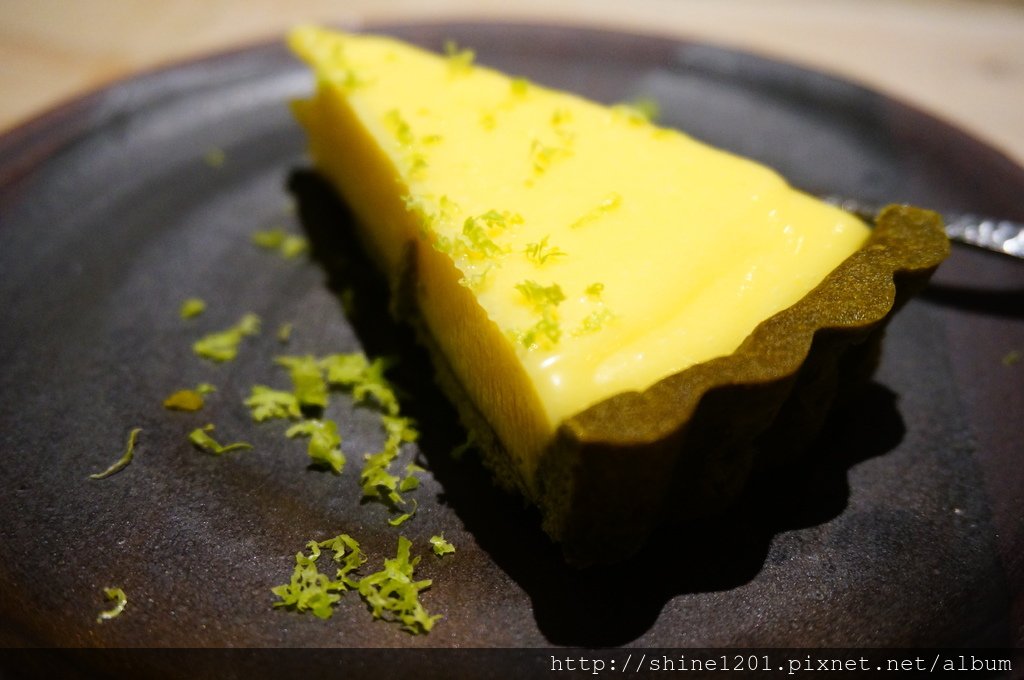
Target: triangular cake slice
587, 280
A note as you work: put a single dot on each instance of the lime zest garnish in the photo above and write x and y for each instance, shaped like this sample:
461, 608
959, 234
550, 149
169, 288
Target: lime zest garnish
476, 242
638, 111
600, 314
477, 280
401, 519
377, 480
364, 378
441, 546
266, 403
541, 297
609, 203
120, 600
593, 322
324, 443
284, 333
347, 79
544, 301
346, 553
560, 117
540, 252
410, 482
313, 591
488, 121
460, 60
191, 308
277, 239
393, 595
125, 458
223, 345
308, 380
202, 440
519, 87
399, 128
411, 147
184, 400
542, 155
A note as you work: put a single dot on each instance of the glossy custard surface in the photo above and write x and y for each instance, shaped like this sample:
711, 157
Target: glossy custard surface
564, 251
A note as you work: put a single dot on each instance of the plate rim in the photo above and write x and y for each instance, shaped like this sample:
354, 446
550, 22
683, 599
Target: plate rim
32, 139
32, 136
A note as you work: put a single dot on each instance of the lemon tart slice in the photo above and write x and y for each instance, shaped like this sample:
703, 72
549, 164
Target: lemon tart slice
615, 307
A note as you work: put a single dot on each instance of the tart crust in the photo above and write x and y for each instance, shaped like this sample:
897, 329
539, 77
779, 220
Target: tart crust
686, 446
682, 447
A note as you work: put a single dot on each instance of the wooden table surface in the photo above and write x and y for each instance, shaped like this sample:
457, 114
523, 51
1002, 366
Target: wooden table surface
962, 60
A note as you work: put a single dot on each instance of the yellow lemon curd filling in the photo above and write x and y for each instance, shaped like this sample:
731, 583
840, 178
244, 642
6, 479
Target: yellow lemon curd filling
560, 251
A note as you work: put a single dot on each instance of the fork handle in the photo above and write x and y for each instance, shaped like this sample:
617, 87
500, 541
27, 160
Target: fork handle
996, 235
1002, 236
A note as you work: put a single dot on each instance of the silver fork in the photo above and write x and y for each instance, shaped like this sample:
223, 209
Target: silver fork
996, 235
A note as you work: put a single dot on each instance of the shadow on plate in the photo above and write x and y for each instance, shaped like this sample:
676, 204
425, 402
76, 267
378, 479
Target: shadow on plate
1003, 303
595, 606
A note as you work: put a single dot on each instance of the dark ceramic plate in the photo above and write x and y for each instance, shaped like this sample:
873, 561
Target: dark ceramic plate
904, 528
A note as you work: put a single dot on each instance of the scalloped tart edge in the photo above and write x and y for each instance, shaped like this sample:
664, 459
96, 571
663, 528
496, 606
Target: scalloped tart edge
686, 446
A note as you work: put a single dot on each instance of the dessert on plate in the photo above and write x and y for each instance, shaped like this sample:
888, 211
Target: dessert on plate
628, 320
